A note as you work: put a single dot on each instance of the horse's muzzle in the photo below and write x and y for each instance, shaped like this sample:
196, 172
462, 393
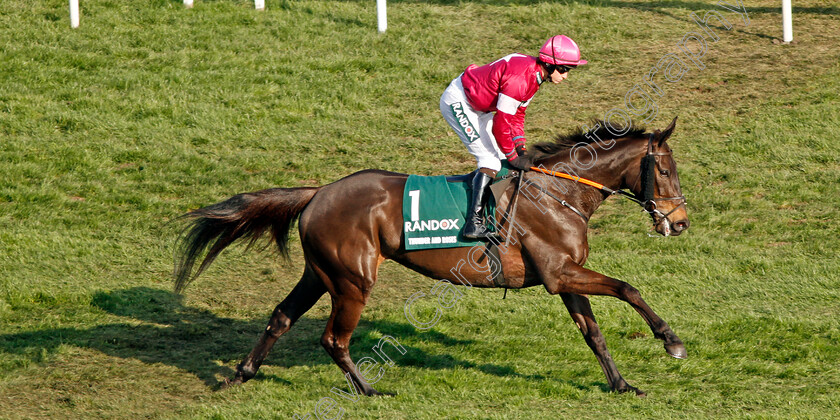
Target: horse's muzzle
679, 226
665, 227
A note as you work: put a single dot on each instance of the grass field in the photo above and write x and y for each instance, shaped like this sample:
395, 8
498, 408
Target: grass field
110, 131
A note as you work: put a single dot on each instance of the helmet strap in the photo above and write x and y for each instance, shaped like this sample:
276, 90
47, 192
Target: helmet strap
548, 68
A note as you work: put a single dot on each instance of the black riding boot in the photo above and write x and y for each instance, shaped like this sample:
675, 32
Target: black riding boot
474, 228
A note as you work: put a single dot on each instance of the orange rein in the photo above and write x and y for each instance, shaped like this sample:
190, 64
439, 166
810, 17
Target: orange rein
601, 187
573, 178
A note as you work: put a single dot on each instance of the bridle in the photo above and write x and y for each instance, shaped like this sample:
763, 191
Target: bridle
647, 176
645, 198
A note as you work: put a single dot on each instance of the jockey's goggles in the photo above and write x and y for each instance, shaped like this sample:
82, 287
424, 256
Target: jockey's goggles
559, 67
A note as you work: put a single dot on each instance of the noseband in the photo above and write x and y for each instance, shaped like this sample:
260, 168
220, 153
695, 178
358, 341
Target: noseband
645, 198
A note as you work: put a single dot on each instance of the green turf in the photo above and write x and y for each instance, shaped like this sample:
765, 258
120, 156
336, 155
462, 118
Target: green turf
110, 131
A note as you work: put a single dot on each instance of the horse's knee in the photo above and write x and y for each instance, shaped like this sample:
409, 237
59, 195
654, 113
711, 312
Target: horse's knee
629, 293
593, 336
331, 345
584, 328
279, 324
328, 342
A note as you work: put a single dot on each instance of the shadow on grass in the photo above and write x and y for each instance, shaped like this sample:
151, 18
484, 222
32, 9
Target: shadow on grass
160, 329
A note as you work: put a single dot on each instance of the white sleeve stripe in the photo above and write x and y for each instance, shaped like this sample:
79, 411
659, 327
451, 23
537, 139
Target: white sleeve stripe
507, 104
525, 104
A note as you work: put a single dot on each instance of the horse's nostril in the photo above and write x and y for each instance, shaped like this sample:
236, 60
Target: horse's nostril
681, 226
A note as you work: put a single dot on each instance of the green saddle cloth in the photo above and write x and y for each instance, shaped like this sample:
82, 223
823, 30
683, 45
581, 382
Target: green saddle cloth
435, 210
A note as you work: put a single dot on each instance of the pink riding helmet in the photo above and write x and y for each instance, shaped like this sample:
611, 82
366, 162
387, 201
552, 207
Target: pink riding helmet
561, 50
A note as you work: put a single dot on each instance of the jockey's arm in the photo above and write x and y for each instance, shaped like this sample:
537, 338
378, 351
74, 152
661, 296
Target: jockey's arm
509, 125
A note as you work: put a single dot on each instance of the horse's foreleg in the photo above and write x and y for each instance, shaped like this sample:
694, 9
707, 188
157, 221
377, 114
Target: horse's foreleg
581, 313
579, 280
336, 339
305, 294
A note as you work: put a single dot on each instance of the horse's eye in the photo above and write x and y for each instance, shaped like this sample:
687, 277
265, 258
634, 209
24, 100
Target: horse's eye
666, 173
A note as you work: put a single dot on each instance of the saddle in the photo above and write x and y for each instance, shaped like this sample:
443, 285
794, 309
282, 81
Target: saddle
435, 210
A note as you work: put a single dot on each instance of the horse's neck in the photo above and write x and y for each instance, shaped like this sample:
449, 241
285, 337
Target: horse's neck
611, 165
610, 169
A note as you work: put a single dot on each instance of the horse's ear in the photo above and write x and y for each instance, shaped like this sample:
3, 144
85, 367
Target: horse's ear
664, 134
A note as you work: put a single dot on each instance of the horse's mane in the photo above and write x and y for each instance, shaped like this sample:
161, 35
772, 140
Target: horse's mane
564, 142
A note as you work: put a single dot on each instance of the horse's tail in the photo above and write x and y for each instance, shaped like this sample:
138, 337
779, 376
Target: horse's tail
248, 216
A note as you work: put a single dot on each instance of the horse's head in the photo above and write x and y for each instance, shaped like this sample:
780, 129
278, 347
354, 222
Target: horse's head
655, 182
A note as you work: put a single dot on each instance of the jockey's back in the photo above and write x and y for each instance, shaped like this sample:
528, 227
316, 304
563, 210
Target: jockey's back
516, 76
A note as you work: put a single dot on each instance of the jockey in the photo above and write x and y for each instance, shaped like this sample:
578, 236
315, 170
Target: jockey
486, 108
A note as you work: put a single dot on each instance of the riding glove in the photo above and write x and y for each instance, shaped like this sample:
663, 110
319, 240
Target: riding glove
522, 162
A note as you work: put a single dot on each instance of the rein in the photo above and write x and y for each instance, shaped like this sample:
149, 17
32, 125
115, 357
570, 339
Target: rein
647, 176
562, 201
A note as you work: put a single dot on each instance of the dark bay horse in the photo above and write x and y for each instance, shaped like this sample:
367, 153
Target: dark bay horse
349, 227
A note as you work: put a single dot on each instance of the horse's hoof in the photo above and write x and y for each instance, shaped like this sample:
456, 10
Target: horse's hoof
628, 388
374, 393
229, 383
676, 350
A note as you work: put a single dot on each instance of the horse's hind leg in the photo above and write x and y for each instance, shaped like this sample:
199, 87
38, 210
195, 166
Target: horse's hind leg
301, 299
347, 309
581, 313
